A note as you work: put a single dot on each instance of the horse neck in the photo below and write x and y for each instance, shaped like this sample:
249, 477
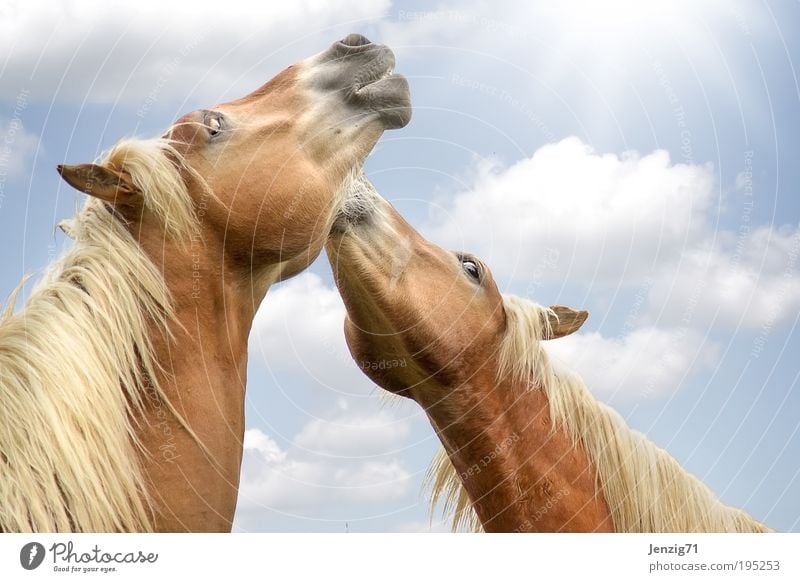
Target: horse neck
203, 361
520, 471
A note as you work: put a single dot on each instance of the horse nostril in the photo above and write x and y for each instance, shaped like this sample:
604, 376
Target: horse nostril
355, 40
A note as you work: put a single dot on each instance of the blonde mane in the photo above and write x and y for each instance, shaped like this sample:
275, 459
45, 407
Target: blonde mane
645, 488
77, 366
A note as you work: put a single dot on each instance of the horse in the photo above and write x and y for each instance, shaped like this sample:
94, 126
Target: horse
527, 446
122, 380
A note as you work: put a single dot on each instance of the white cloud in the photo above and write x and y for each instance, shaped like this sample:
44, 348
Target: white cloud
116, 51
349, 457
612, 20
270, 478
645, 363
603, 217
17, 147
354, 434
299, 330
612, 223
347, 461
303, 310
263, 447
294, 480
373, 481
748, 278
606, 221
573, 57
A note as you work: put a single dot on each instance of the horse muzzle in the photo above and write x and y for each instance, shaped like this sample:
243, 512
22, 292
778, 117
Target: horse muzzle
361, 73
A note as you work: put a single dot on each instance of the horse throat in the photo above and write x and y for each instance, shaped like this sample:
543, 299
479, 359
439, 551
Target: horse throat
522, 473
194, 473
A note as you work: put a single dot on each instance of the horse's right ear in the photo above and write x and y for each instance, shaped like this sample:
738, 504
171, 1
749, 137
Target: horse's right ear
101, 182
565, 320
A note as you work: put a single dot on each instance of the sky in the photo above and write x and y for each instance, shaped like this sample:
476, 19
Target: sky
634, 158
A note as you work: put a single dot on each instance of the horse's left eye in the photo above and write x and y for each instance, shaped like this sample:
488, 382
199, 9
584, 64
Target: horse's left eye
472, 269
214, 122
214, 126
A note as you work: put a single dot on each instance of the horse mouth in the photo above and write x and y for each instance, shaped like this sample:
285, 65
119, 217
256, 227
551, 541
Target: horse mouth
385, 75
361, 73
373, 84
388, 96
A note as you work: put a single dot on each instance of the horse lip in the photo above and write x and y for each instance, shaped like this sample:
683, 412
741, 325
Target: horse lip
390, 98
385, 75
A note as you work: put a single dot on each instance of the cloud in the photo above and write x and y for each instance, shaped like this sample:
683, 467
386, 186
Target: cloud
17, 147
610, 28
373, 481
572, 58
600, 217
270, 478
295, 480
303, 310
645, 363
627, 224
298, 330
608, 221
347, 461
115, 51
354, 434
747, 278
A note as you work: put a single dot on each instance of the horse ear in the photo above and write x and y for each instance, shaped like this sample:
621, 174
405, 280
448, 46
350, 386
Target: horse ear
101, 182
565, 320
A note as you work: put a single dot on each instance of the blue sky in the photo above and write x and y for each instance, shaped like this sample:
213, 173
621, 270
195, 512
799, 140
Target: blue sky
637, 159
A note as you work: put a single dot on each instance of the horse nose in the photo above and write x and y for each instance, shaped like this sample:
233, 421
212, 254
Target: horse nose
354, 40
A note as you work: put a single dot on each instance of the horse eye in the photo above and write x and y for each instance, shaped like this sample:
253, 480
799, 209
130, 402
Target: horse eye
214, 124
471, 268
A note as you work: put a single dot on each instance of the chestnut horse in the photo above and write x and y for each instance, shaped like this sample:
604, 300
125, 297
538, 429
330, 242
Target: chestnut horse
529, 448
123, 378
